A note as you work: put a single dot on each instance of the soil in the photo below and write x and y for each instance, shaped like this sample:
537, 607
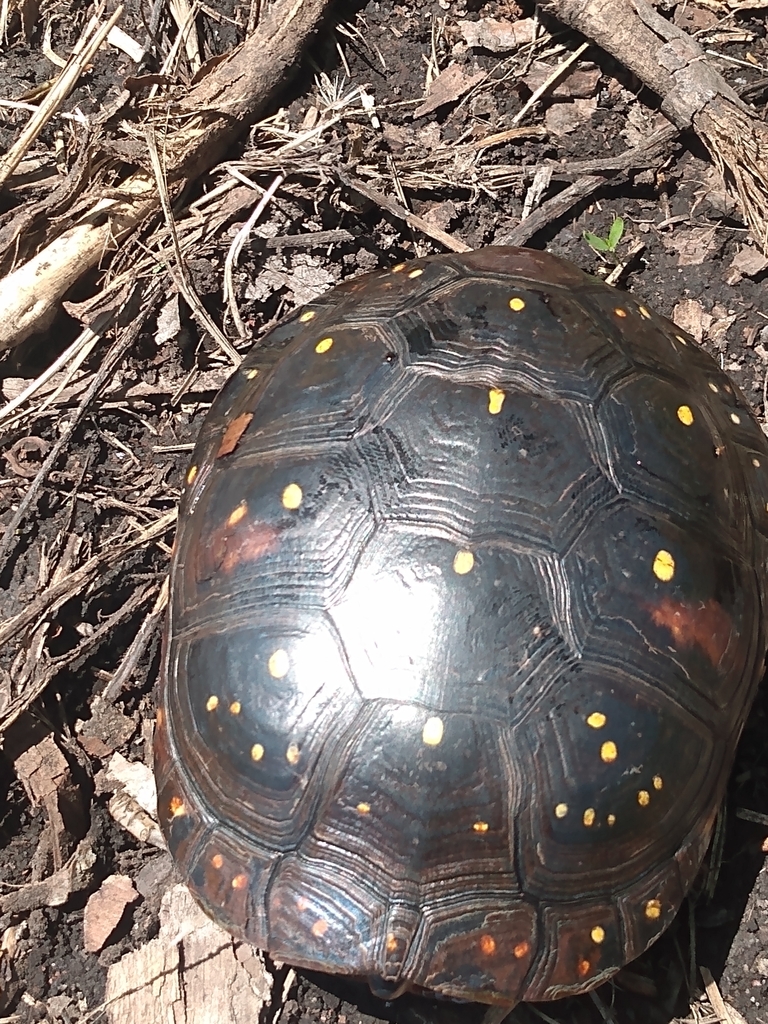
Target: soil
122, 469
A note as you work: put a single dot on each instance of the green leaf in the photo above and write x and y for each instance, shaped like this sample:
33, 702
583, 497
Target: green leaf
614, 235
600, 244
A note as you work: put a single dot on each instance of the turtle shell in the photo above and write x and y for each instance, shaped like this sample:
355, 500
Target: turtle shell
466, 616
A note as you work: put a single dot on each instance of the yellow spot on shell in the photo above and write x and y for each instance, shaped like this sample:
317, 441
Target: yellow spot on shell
251, 374
191, 474
480, 826
239, 881
621, 313
257, 752
292, 496
398, 267
658, 782
644, 312
237, 514
664, 566
643, 797
589, 817
561, 810
432, 733
713, 387
217, 861
609, 752
597, 934
212, 703
278, 664
495, 401
463, 562
323, 345
596, 720
516, 304
756, 463
685, 415
235, 707
487, 945
682, 340
306, 316
319, 928
292, 754
653, 910
611, 819
363, 808
416, 273
521, 949
177, 807
735, 418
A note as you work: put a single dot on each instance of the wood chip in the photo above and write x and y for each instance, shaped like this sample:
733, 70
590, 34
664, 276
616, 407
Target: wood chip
105, 909
449, 86
192, 973
498, 36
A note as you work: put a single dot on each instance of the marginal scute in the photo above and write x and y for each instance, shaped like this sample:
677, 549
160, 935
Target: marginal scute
466, 614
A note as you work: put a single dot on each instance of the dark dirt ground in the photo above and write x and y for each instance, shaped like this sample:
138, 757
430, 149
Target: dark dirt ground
123, 467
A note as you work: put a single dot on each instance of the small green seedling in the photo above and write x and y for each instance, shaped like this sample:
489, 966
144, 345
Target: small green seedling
609, 243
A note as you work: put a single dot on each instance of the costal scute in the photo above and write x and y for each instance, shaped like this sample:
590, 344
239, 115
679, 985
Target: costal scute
467, 613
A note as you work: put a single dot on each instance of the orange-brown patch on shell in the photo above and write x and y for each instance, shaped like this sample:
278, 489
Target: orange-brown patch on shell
233, 433
231, 546
708, 626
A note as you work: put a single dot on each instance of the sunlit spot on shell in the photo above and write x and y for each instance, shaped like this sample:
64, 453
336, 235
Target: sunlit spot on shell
664, 566
416, 273
177, 807
292, 754
597, 934
516, 304
713, 387
495, 401
611, 819
301, 904
596, 720
480, 826
319, 928
398, 267
217, 861
735, 418
278, 663
432, 733
652, 910
487, 945
644, 312
257, 752
685, 415
463, 562
292, 496
589, 817
681, 339
237, 514
756, 463
240, 881
521, 949
160, 718
306, 316
561, 810
608, 752
584, 968
212, 703
620, 313
658, 782
323, 345
235, 707
363, 808
252, 373
643, 797
392, 943
191, 475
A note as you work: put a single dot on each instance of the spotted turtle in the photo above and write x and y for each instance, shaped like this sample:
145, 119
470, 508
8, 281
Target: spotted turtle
466, 616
